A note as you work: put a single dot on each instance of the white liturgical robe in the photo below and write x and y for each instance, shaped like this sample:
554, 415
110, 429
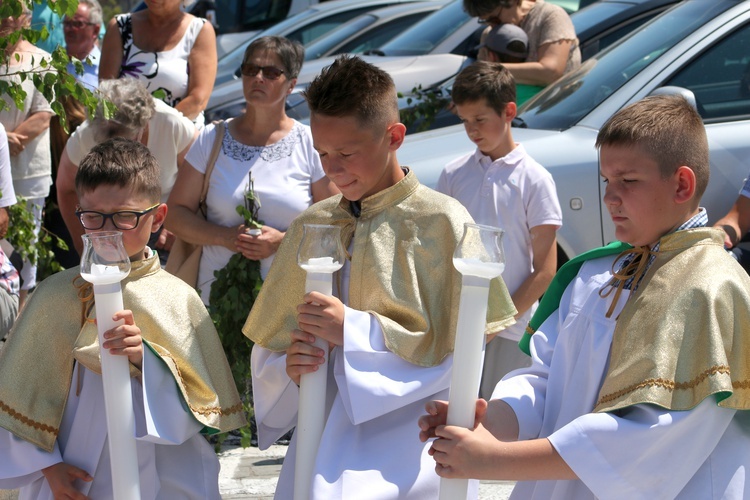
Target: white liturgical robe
175, 461
640, 452
370, 446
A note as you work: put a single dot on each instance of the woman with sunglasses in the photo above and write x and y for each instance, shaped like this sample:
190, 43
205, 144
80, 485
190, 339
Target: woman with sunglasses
553, 45
262, 144
165, 131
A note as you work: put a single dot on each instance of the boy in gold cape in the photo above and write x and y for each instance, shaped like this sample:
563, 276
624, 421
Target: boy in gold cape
391, 324
53, 434
640, 381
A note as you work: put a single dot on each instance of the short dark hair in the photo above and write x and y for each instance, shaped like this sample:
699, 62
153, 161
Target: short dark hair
668, 129
485, 80
352, 87
291, 53
482, 8
120, 162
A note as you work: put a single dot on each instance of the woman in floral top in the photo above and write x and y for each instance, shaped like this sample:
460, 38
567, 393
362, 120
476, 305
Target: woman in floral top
173, 53
264, 144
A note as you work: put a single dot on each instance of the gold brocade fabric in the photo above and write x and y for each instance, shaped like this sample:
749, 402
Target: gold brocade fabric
401, 272
683, 335
36, 364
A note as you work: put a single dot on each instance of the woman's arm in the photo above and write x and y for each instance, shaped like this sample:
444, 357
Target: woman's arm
184, 222
267, 243
544, 248
181, 155
111, 58
202, 63
736, 222
67, 199
553, 59
28, 130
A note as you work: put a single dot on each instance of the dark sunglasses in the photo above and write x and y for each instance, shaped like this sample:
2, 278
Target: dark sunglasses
76, 25
270, 72
493, 18
124, 220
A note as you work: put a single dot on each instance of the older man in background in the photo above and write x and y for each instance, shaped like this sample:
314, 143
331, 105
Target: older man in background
81, 35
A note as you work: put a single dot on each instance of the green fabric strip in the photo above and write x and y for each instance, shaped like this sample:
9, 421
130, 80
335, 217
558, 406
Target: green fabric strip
551, 299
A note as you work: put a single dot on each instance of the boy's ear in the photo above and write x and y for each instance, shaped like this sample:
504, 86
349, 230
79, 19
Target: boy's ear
396, 133
160, 213
511, 109
686, 184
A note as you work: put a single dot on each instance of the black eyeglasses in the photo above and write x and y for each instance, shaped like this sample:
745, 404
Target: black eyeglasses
123, 220
76, 25
270, 72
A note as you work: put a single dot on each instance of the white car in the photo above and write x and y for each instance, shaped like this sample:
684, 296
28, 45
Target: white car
699, 48
304, 27
429, 52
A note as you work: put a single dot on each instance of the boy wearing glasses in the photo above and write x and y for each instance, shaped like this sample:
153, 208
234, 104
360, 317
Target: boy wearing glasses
53, 436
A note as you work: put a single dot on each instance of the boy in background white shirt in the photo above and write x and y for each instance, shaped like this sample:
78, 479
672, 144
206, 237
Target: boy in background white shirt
502, 186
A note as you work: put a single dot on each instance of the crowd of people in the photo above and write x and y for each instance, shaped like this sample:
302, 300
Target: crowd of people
635, 353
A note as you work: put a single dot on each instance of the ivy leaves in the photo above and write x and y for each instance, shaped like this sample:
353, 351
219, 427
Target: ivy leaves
232, 296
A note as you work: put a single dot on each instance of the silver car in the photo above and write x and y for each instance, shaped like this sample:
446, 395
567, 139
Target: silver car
700, 48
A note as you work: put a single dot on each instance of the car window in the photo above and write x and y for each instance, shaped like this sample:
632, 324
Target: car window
322, 45
376, 37
314, 30
234, 16
563, 103
602, 41
720, 78
571, 6
422, 37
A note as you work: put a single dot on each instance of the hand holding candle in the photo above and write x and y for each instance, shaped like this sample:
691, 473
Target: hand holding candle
478, 257
320, 254
104, 263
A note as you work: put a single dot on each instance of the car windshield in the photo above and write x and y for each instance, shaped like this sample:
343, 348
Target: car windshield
323, 44
565, 102
422, 37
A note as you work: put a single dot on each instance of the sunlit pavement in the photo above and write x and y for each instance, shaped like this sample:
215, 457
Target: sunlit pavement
252, 474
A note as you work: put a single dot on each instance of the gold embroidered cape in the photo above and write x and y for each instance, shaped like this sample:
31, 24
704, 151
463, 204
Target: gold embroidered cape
36, 364
401, 272
684, 333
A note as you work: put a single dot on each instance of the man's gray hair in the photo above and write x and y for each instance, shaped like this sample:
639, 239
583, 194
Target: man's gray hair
135, 107
95, 11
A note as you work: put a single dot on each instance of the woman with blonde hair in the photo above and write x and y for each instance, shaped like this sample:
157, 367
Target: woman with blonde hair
166, 132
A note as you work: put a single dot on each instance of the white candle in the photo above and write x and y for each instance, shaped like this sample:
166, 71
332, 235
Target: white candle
312, 387
118, 399
468, 354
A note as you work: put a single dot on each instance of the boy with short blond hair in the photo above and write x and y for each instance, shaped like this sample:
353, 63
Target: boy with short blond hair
391, 321
502, 186
53, 435
639, 385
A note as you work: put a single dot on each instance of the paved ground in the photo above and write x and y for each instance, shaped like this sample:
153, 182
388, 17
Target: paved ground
251, 474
